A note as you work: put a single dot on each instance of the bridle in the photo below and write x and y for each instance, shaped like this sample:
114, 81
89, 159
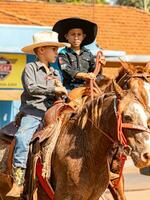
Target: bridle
120, 125
124, 80
121, 139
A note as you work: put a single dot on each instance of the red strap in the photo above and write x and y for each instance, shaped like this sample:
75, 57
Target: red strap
136, 127
44, 183
123, 158
121, 136
123, 140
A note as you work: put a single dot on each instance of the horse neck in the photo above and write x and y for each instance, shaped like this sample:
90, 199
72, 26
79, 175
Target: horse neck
96, 118
108, 121
122, 79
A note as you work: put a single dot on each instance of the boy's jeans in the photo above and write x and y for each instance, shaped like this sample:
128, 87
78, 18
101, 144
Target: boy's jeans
28, 126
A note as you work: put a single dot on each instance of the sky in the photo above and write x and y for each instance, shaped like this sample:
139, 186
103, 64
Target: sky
111, 1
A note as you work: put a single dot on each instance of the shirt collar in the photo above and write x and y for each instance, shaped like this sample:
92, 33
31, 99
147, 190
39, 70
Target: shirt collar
83, 49
39, 64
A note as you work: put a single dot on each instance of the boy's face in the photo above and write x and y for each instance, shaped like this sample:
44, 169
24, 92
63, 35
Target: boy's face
49, 53
75, 37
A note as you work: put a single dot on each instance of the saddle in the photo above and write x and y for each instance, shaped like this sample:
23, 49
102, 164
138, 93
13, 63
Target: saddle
7, 133
77, 98
50, 119
41, 141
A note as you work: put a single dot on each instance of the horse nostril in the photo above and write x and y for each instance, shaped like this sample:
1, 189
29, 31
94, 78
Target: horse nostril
146, 156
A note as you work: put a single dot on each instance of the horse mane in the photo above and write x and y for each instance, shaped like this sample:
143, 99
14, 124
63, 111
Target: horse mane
91, 111
120, 74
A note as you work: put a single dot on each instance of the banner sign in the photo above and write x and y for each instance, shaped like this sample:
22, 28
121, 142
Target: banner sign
11, 68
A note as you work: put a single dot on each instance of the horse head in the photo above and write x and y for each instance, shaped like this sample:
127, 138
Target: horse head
137, 79
135, 116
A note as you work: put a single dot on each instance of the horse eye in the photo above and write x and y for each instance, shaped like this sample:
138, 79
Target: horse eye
127, 118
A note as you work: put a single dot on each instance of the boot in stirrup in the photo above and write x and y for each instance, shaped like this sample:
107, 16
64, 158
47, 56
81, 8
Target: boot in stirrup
18, 181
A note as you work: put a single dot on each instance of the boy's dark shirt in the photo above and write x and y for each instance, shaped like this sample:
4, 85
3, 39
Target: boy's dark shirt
71, 63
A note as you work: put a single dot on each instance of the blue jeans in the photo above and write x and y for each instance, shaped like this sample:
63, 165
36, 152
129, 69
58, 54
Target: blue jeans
28, 126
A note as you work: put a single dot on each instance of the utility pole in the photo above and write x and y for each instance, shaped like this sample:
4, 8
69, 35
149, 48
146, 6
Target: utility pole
93, 2
145, 5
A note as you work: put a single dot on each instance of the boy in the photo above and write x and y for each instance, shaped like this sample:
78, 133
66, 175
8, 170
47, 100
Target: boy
77, 63
41, 88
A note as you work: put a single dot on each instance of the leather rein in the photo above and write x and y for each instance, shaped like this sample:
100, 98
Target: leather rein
120, 124
121, 138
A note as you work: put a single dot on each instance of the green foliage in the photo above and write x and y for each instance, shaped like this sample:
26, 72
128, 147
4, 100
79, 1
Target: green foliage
141, 4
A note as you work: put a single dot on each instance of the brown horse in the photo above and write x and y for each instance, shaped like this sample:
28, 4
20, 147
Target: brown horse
137, 79
79, 164
130, 78
80, 168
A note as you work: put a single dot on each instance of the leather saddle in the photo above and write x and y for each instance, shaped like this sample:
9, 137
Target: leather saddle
7, 133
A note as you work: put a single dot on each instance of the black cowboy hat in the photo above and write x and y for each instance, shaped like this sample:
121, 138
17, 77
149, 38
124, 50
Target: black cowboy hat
63, 26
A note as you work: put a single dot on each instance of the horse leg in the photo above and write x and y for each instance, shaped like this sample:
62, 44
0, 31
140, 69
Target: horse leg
41, 194
6, 150
117, 191
120, 189
64, 192
59, 196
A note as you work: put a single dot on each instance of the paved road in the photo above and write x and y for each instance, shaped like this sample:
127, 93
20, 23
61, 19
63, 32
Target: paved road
137, 186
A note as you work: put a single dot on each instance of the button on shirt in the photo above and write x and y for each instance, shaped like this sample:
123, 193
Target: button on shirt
39, 90
71, 63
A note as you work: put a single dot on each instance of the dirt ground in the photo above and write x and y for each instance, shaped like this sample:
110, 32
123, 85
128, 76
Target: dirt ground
137, 186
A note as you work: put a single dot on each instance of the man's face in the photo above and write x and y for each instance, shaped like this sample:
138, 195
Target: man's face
49, 53
75, 37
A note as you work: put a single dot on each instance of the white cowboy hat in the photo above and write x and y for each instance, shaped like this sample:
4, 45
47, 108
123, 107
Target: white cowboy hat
41, 39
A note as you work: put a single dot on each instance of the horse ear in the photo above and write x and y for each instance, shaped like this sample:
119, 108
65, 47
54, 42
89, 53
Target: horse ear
118, 90
128, 67
147, 68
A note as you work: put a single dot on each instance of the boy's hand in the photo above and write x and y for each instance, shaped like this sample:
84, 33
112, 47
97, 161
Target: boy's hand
102, 60
85, 75
61, 90
58, 83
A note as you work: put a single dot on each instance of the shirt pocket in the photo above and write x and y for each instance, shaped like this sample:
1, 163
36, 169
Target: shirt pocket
41, 79
51, 83
73, 62
85, 64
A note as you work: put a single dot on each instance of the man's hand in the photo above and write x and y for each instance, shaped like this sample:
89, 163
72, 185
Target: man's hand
61, 90
85, 76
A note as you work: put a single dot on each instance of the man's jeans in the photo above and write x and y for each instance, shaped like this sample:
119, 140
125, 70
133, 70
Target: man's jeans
28, 126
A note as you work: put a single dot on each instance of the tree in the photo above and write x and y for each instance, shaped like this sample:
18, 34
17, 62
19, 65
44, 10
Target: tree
142, 4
